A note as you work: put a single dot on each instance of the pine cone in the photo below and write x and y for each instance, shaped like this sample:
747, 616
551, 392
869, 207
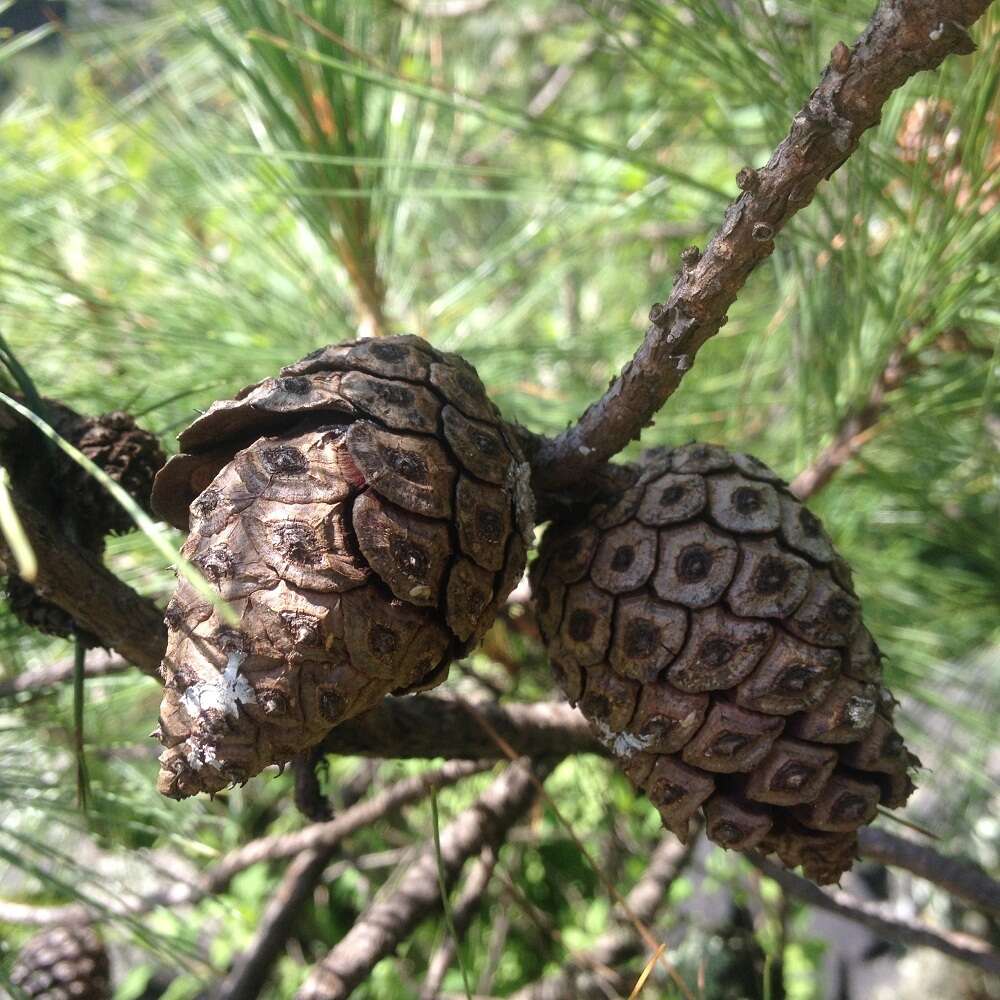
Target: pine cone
70, 495
364, 514
41, 615
64, 963
130, 455
708, 629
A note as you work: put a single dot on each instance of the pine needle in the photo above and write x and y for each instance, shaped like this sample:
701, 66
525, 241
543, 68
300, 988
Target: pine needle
445, 902
82, 776
647, 972
14, 533
909, 824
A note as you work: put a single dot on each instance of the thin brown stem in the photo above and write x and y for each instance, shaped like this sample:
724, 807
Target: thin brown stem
883, 920
468, 904
317, 837
855, 429
249, 973
959, 877
38, 680
901, 39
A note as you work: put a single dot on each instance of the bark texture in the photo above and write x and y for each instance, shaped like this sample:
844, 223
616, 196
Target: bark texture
709, 630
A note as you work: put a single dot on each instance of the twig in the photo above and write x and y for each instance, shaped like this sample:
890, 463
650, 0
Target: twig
859, 426
40, 679
854, 430
583, 973
249, 973
430, 726
472, 898
901, 40
612, 889
76, 580
387, 922
882, 920
959, 877
319, 836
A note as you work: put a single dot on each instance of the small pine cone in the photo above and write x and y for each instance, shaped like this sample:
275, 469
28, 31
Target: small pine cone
113, 441
63, 963
711, 633
130, 455
71, 496
42, 615
364, 514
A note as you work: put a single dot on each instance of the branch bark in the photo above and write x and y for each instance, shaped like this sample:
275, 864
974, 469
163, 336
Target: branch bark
882, 920
379, 931
429, 726
959, 877
81, 585
901, 39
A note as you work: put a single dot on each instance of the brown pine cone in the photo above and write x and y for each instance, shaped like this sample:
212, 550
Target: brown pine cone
70, 496
364, 515
63, 963
39, 614
130, 455
709, 630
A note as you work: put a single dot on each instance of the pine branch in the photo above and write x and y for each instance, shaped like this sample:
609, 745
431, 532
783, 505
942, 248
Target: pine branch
472, 898
250, 970
379, 931
860, 425
882, 920
959, 877
588, 972
855, 429
434, 726
41, 679
901, 39
77, 580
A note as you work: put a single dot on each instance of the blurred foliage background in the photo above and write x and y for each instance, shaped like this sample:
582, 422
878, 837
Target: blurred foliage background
192, 195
